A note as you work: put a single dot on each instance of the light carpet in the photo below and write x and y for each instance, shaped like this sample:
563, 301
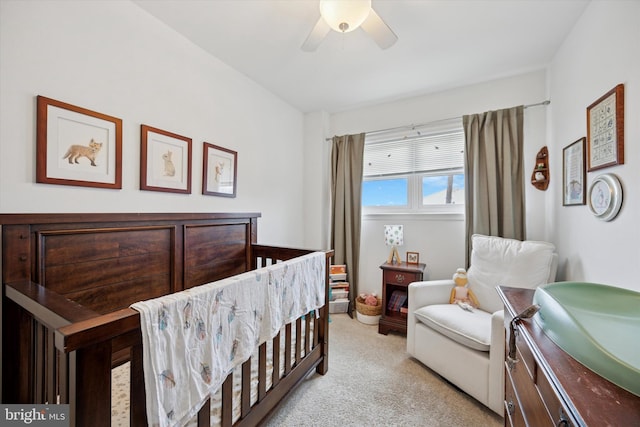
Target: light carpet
372, 381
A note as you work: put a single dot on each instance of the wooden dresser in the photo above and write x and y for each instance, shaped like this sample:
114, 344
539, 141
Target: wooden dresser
547, 387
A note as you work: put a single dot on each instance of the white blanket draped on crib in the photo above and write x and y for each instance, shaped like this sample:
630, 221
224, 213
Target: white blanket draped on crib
193, 339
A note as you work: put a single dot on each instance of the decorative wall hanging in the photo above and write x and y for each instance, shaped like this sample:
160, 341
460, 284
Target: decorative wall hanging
605, 196
76, 146
605, 130
165, 161
540, 175
574, 174
219, 171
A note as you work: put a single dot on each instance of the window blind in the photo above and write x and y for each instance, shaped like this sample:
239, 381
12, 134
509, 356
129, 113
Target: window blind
434, 149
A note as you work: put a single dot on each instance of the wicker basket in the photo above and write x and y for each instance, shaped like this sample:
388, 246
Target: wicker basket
368, 310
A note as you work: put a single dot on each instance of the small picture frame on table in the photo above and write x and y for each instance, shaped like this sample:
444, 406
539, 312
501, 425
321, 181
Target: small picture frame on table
77, 146
605, 130
219, 171
413, 257
574, 174
165, 161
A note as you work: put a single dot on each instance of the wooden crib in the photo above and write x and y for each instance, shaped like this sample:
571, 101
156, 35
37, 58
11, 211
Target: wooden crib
68, 281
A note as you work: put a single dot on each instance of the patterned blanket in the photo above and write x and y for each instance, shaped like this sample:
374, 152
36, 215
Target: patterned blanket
193, 339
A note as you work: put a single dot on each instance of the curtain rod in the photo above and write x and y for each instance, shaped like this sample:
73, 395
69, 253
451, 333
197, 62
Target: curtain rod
374, 132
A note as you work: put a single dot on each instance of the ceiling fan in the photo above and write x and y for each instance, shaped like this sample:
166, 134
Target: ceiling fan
344, 16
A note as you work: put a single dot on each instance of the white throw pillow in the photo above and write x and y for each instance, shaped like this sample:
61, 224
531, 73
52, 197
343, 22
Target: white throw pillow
507, 262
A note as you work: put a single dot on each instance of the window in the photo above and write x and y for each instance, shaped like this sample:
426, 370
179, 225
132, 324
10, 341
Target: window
415, 171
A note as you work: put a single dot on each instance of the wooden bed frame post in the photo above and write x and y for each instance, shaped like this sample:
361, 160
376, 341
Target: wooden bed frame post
138, 405
323, 333
90, 385
17, 378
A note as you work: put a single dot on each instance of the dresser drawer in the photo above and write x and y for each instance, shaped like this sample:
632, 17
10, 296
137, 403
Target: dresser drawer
554, 407
512, 412
526, 393
526, 358
527, 363
399, 278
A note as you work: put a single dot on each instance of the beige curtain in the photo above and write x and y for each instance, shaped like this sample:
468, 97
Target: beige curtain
494, 174
346, 192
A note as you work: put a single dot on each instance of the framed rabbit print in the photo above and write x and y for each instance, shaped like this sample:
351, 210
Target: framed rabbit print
165, 161
77, 146
219, 171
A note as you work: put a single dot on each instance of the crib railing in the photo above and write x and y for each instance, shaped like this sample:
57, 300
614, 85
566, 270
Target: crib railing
64, 353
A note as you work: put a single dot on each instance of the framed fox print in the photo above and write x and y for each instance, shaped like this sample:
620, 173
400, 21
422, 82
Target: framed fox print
77, 146
165, 161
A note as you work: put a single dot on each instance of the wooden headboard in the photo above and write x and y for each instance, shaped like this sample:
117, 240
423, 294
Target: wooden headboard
106, 262
68, 280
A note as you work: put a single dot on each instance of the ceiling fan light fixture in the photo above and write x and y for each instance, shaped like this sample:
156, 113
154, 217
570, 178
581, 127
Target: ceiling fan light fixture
344, 16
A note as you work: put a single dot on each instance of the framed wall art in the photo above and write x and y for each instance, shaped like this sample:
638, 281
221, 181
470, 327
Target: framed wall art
605, 130
219, 171
77, 146
165, 161
574, 174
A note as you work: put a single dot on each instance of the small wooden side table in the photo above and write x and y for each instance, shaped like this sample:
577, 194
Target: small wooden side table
397, 277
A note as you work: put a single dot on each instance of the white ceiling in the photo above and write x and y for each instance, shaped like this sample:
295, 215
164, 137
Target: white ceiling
441, 44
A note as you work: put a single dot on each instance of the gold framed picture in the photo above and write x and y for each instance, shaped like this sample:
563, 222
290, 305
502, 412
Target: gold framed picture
605, 130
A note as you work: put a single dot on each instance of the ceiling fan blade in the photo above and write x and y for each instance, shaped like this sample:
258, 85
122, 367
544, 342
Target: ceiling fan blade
379, 30
319, 32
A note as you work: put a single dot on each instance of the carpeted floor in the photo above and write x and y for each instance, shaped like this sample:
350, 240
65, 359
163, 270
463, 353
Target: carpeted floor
373, 382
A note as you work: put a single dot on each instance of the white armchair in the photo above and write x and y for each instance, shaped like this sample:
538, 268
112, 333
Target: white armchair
468, 347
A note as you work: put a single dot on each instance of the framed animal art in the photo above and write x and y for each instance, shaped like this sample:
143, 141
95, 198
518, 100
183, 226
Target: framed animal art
77, 146
165, 161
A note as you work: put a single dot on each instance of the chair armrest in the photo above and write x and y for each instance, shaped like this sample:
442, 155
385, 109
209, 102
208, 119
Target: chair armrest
429, 292
421, 294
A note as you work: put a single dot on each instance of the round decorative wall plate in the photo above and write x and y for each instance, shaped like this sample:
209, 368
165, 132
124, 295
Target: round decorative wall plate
605, 196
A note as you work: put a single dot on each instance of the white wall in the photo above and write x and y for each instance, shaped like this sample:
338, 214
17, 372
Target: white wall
600, 52
114, 58
440, 240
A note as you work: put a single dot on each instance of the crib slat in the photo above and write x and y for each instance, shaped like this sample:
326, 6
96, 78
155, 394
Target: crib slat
307, 334
204, 414
287, 349
226, 415
262, 371
298, 340
246, 388
51, 369
316, 323
275, 375
63, 377
39, 376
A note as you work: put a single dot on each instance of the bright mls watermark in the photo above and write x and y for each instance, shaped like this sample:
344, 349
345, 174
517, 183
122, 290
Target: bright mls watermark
36, 415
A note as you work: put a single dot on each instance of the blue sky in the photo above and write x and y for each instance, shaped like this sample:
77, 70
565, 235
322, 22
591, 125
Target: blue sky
393, 191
